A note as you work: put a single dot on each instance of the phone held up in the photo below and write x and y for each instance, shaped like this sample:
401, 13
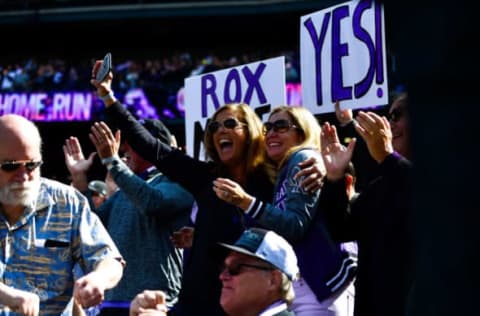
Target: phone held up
105, 68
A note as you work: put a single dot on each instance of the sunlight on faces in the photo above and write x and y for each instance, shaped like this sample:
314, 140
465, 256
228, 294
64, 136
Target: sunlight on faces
230, 144
279, 143
399, 124
20, 141
16, 193
245, 290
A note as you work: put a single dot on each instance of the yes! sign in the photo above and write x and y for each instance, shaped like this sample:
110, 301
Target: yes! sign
260, 85
343, 57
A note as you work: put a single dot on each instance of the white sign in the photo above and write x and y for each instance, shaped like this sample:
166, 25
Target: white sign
343, 57
260, 85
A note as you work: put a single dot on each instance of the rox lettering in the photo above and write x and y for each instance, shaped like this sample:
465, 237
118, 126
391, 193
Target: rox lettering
338, 90
233, 83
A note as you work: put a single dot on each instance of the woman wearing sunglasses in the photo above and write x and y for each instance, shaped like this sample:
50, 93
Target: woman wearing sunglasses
234, 149
292, 135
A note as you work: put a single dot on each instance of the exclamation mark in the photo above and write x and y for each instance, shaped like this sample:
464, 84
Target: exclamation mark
379, 46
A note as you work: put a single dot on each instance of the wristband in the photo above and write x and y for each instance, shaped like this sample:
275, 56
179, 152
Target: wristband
109, 96
109, 160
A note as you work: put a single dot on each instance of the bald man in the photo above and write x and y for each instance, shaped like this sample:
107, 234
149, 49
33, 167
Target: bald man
46, 227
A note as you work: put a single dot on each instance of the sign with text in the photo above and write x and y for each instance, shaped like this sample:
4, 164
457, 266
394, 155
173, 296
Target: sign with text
343, 57
43, 106
259, 84
70, 106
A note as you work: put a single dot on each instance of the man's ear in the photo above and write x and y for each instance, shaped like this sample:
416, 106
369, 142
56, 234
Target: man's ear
276, 279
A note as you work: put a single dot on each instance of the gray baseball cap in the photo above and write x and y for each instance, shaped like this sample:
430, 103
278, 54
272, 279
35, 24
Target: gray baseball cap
270, 247
98, 186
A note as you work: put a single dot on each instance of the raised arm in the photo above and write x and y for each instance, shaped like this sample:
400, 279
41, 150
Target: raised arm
76, 163
137, 136
177, 166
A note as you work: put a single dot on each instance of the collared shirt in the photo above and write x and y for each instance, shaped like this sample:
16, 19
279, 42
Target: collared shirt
39, 251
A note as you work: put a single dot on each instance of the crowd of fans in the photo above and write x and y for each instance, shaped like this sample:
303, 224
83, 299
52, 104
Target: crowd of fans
159, 77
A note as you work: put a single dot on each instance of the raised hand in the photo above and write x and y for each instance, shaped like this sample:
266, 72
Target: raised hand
105, 142
376, 132
335, 155
76, 163
74, 158
103, 87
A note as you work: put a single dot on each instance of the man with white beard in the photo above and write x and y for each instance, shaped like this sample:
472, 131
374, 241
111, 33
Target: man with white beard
46, 227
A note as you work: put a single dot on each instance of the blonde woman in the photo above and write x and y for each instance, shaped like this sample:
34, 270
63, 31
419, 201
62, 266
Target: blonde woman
292, 135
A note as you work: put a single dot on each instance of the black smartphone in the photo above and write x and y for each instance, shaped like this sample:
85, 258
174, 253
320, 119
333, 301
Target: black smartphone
105, 68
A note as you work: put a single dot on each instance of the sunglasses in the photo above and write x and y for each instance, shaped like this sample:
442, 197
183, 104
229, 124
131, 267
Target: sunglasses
236, 269
279, 126
395, 115
229, 123
30, 165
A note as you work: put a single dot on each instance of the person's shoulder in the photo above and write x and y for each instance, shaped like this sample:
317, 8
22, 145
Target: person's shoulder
51, 184
63, 196
56, 188
304, 153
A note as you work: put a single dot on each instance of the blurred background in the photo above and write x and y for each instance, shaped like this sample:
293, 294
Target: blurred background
49, 47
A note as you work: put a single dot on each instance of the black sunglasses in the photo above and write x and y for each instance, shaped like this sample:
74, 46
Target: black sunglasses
236, 269
279, 126
30, 165
229, 123
395, 115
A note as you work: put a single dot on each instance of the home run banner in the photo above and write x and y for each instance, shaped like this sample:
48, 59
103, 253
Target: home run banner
343, 57
260, 84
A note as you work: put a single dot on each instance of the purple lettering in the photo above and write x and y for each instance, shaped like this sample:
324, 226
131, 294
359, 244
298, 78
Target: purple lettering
379, 45
198, 135
59, 107
234, 77
338, 91
82, 105
253, 81
318, 43
209, 84
362, 87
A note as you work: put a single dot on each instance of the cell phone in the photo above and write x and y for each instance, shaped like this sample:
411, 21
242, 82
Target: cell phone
105, 68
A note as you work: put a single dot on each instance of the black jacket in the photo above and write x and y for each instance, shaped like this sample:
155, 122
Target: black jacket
379, 219
216, 221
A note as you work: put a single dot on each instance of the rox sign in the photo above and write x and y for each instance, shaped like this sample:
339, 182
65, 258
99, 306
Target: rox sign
258, 84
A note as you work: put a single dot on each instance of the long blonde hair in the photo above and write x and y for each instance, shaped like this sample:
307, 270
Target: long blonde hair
254, 156
308, 127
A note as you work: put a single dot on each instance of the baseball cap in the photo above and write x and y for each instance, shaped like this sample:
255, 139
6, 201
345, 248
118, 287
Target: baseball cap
157, 129
268, 246
98, 186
